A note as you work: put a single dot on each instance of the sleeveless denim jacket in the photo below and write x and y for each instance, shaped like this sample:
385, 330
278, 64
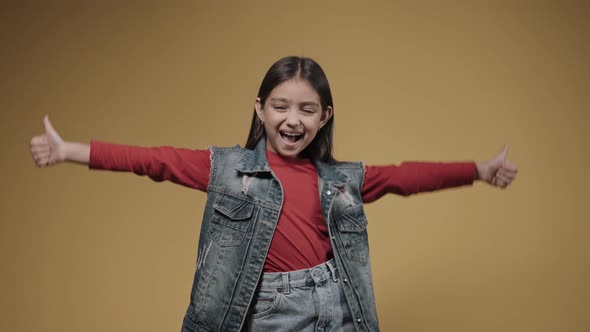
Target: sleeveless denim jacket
244, 200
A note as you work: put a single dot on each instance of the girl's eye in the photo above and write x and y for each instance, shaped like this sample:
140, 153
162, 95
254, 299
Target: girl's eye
280, 107
308, 110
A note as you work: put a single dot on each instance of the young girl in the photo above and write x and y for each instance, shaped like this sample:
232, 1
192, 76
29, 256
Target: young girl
283, 242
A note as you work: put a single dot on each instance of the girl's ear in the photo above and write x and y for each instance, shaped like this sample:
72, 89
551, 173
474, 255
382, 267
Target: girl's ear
326, 115
258, 109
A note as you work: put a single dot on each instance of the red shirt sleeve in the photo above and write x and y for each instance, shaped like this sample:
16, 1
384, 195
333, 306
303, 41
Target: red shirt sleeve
186, 167
415, 177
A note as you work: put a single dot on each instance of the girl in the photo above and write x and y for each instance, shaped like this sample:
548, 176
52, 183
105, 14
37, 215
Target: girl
283, 242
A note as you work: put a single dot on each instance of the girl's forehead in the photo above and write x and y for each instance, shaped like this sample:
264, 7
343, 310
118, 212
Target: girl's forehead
295, 89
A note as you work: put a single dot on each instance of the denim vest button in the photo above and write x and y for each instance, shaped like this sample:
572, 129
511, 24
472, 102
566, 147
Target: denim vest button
345, 280
359, 320
328, 193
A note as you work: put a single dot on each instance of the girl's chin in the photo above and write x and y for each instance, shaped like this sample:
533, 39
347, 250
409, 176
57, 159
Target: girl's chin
288, 153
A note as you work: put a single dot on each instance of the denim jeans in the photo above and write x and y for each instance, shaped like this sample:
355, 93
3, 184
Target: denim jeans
302, 300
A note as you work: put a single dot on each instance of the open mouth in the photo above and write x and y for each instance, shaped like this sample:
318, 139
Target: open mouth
291, 137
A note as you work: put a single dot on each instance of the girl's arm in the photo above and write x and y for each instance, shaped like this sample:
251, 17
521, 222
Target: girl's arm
77, 152
186, 167
410, 178
414, 177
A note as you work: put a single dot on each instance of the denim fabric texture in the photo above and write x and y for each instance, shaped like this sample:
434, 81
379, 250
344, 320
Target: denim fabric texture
244, 200
309, 300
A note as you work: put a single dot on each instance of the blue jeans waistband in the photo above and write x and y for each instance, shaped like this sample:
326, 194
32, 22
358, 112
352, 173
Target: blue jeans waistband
298, 278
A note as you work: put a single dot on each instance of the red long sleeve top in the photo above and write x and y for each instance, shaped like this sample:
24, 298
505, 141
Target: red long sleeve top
301, 237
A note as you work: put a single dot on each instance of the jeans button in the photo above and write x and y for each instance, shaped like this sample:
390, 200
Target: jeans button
316, 273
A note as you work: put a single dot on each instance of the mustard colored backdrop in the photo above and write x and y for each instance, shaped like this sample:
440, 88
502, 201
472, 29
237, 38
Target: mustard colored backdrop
100, 251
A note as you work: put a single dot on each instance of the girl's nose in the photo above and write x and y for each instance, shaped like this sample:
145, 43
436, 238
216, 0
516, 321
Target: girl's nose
292, 119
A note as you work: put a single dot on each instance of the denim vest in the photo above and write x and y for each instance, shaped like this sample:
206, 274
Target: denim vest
244, 200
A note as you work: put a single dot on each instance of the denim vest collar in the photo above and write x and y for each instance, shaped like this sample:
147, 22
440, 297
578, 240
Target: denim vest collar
255, 161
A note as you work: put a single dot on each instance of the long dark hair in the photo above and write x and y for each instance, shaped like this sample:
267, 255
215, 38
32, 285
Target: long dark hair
305, 68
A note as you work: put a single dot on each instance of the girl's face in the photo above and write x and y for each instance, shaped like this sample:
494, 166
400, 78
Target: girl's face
292, 116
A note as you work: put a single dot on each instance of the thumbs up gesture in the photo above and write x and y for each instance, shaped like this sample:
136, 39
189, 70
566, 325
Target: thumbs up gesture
47, 149
499, 171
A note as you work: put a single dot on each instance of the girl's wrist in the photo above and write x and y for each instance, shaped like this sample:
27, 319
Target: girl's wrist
67, 151
76, 152
479, 169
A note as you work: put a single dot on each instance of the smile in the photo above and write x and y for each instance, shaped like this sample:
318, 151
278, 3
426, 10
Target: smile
291, 137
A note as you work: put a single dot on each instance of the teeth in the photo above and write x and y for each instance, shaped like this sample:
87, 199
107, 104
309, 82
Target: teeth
291, 134
291, 137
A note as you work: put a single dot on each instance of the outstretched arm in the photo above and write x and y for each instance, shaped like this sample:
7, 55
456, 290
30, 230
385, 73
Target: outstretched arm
186, 167
415, 177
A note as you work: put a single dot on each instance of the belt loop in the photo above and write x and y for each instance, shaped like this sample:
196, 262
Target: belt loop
332, 270
286, 288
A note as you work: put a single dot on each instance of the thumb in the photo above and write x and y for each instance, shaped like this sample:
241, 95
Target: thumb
502, 156
49, 130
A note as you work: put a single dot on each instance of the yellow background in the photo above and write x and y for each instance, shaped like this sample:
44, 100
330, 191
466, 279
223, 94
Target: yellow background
99, 251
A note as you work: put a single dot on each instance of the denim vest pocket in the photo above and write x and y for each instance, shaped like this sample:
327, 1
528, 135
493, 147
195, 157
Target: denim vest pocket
231, 218
352, 227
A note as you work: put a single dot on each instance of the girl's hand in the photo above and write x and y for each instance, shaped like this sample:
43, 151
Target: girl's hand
49, 148
498, 172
